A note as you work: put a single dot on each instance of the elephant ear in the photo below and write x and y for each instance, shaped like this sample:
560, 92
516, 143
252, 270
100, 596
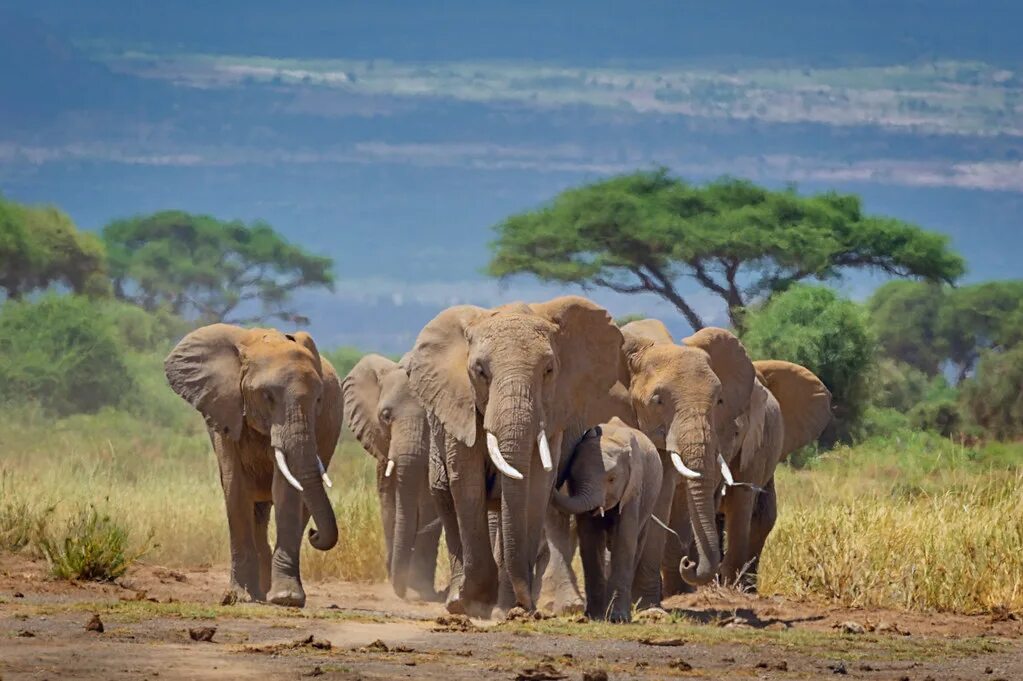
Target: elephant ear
731, 364
753, 424
635, 459
438, 371
804, 400
360, 393
306, 341
589, 347
204, 368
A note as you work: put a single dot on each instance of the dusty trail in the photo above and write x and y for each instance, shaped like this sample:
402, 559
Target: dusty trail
355, 631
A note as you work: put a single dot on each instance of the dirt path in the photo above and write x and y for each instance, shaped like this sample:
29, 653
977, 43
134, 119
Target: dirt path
354, 631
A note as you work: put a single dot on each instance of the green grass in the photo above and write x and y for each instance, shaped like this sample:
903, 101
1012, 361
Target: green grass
90, 546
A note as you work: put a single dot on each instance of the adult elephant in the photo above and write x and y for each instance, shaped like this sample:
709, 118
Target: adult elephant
789, 408
389, 422
272, 409
502, 386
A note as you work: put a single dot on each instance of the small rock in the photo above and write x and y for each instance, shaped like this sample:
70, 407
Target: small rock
595, 675
18, 594
989, 670
229, 598
681, 665
95, 624
202, 634
315, 671
665, 642
838, 668
653, 615
454, 623
850, 627
376, 646
25, 633
890, 628
541, 672
904, 677
866, 668
782, 666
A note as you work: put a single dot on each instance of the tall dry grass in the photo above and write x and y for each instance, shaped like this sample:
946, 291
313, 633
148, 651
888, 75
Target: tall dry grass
911, 521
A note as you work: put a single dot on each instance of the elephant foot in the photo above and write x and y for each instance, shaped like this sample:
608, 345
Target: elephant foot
460, 606
288, 593
428, 596
566, 608
619, 617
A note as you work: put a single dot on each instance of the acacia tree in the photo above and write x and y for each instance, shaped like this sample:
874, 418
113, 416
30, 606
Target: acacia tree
644, 231
199, 266
40, 246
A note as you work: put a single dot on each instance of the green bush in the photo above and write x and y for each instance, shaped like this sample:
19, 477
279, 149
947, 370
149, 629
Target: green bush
813, 326
994, 395
90, 547
899, 386
142, 331
63, 353
20, 523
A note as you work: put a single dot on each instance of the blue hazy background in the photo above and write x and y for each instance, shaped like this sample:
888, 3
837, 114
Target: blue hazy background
393, 135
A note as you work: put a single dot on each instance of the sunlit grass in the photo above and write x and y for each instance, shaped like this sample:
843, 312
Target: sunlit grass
911, 521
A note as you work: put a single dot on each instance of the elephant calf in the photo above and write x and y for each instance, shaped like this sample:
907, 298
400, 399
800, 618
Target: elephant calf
613, 513
391, 425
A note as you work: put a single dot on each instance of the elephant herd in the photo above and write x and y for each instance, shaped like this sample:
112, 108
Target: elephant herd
523, 432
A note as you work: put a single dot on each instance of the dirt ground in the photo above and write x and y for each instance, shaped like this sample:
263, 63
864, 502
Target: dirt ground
356, 631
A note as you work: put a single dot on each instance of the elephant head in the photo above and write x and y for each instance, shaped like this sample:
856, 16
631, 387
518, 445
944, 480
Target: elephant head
609, 450
389, 422
687, 398
517, 376
261, 383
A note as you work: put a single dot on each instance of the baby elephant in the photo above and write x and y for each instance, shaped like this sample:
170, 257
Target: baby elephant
614, 479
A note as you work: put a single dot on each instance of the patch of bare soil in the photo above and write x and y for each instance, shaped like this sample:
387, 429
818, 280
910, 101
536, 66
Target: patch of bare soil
159, 623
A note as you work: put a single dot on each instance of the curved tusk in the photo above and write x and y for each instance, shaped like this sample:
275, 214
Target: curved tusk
601, 509
283, 466
681, 467
725, 472
498, 460
545, 450
389, 469
323, 474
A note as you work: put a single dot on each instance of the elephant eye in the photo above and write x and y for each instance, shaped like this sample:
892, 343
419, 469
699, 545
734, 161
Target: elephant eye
656, 399
269, 396
721, 400
385, 415
480, 371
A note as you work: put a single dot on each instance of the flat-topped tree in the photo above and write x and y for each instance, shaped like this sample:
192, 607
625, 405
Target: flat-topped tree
643, 232
212, 269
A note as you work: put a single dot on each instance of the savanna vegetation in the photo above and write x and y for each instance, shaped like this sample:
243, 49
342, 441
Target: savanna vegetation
912, 501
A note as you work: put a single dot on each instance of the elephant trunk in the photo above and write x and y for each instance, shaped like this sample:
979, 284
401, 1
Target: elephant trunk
302, 460
407, 442
513, 422
697, 447
586, 481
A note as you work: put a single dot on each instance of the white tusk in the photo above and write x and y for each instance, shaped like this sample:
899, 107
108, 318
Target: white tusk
498, 460
283, 465
323, 474
725, 473
601, 509
545, 451
681, 467
389, 469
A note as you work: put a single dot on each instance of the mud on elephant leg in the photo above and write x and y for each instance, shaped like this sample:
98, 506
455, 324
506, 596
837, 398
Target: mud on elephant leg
560, 593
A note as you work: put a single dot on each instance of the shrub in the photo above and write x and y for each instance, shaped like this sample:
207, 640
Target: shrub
813, 326
142, 331
899, 386
994, 395
91, 547
61, 352
20, 523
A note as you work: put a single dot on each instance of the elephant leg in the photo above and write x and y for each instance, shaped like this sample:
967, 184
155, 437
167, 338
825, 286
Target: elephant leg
646, 585
560, 593
543, 559
765, 514
675, 547
468, 484
241, 525
592, 546
291, 517
505, 591
737, 507
424, 553
261, 521
624, 551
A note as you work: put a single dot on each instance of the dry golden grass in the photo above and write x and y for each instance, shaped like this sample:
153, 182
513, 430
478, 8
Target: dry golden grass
911, 522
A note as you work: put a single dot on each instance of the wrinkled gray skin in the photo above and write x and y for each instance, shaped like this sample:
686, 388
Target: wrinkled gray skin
511, 372
258, 390
391, 425
614, 515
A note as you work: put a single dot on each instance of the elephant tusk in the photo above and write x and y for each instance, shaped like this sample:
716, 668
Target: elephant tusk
283, 466
601, 509
681, 467
545, 451
389, 469
498, 460
323, 473
725, 472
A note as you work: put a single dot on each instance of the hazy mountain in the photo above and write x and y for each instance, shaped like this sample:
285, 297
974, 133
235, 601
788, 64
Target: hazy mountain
391, 136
